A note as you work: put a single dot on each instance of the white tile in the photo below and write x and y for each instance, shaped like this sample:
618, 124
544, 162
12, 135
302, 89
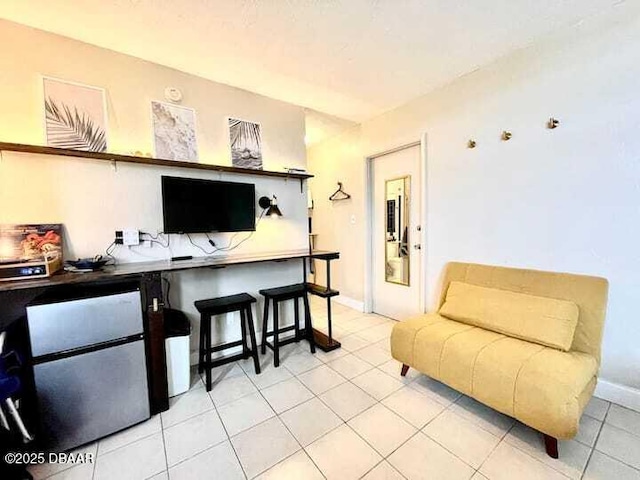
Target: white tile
384, 344
130, 435
264, 445
464, 439
422, 458
383, 471
347, 400
321, 379
597, 408
78, 472
336, 331
301, 362
269, 374
436, 390
507, 463
189, 404
326, 357
45, 470
285, 395
161, 476
573, 455
588, 430
217, 462
138, 460
624, 418
416, 408
343, 455
192, 436
225, 372
231, 389
346, 315
377, 333
485, 417
603, 467
310, 420
619, 444
297, 467
374, 355
352, 343
350, 366
393, 368
377, 383
382, 429
244, 413
479, 476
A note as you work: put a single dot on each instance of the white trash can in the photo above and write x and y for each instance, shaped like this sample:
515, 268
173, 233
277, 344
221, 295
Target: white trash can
177, 333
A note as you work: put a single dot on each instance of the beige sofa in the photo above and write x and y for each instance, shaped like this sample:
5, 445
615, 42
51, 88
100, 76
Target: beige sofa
524, 342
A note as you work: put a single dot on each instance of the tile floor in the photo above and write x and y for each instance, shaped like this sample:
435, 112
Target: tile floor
345, 415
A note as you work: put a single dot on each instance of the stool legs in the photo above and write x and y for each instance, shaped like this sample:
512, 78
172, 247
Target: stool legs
208, 352
254, 344
276, 343
296, 317
308, 326
201, 348
243, 328
265, 325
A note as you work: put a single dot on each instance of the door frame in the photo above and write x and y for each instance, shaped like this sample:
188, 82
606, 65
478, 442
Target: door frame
369, 210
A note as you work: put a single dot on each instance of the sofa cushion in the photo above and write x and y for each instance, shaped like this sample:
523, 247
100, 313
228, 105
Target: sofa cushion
547, 321
541, 386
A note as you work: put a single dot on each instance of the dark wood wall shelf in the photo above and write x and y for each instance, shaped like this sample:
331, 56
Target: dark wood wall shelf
113, 157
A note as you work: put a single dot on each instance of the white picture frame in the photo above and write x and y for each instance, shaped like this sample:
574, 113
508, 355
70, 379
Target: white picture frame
74, 115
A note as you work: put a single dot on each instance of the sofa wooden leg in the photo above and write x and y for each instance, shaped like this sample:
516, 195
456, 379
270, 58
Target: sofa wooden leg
405, 369
551, 445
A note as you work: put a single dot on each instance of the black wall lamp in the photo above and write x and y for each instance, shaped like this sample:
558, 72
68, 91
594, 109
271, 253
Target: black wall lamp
270, 205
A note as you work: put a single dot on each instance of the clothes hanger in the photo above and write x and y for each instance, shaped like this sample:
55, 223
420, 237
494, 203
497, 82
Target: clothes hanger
339, 194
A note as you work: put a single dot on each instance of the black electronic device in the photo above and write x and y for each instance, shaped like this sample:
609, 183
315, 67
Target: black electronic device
202, 206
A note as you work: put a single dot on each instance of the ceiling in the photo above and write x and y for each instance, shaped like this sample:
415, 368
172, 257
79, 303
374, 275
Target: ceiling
352, 59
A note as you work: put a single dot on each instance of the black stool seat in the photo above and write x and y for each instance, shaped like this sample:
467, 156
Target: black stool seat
287, 292
276, 295
242, 303
220, 305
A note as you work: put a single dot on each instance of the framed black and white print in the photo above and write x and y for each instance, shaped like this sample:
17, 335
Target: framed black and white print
75, 115
246, 144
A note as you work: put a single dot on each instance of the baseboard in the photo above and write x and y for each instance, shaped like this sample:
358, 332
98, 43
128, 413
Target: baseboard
349, 302
621, 394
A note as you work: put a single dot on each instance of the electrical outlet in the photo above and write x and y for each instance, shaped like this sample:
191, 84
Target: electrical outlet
118, 239
131, 237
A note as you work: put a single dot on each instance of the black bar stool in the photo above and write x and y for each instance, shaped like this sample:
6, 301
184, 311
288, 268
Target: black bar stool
281, 294
217, 306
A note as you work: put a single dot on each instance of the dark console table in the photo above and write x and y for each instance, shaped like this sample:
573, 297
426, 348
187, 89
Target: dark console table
16, 295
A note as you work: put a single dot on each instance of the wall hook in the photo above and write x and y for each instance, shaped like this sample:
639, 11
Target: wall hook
506, 135
552, 123
471, 144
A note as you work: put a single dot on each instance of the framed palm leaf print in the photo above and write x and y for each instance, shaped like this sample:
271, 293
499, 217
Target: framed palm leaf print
75, 115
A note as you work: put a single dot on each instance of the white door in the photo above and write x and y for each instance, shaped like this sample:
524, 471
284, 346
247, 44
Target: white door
396, 233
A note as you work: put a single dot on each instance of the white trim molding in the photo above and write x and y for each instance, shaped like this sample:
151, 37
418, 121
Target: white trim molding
349, 302
621, 394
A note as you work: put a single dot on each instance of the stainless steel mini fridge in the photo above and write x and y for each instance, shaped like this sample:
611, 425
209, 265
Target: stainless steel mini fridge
89, 367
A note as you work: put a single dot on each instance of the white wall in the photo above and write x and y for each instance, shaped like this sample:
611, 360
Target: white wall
92, 199
564, 200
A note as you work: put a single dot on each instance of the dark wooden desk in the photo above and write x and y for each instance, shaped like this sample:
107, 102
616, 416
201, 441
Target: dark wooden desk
16, 295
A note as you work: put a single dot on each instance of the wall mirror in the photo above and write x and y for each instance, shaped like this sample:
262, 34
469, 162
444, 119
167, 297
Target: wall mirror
397, 194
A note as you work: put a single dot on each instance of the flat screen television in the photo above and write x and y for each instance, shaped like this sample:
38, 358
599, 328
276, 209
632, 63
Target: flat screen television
203, 206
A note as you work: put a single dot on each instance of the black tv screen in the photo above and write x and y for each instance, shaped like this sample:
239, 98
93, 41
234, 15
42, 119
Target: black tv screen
203, 206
